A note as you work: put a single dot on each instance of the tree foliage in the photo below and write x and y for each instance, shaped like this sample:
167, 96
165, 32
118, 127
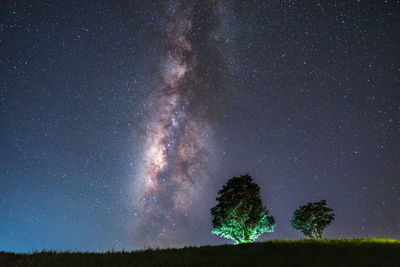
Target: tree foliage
311, 219
239, 214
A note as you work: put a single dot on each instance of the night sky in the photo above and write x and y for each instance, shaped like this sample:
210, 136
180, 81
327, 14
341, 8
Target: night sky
121, 120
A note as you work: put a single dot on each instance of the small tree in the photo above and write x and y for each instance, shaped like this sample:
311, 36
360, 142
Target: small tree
239, 214
311, 219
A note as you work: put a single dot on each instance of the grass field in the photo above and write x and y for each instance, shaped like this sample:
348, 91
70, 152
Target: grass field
324, 252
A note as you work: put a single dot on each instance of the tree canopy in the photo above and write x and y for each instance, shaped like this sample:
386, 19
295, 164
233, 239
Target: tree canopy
312, 218
239, 214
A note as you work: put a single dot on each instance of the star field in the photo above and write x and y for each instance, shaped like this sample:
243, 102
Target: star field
302, 95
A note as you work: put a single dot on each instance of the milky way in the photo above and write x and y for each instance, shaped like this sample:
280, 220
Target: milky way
178, 130
121, 120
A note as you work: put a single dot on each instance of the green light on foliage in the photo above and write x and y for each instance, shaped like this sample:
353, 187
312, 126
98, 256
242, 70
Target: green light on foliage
239, 214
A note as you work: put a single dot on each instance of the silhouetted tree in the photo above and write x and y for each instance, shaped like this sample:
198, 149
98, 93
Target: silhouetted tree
239, 214
311, 219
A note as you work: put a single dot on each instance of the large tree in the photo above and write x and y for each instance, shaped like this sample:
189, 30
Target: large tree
239, 214
312, 218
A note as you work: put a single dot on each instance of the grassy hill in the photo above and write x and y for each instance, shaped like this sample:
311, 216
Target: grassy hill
325, 252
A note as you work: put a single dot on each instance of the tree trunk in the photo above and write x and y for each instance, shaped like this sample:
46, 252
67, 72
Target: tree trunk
315, 233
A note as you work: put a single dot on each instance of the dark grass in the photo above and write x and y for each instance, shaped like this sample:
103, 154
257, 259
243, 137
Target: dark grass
325, 252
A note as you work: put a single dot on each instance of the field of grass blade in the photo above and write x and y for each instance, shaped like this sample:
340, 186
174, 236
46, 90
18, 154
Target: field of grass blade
306, 252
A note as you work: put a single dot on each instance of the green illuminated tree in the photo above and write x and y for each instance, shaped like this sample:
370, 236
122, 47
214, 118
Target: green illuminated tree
311, 219
239, 214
